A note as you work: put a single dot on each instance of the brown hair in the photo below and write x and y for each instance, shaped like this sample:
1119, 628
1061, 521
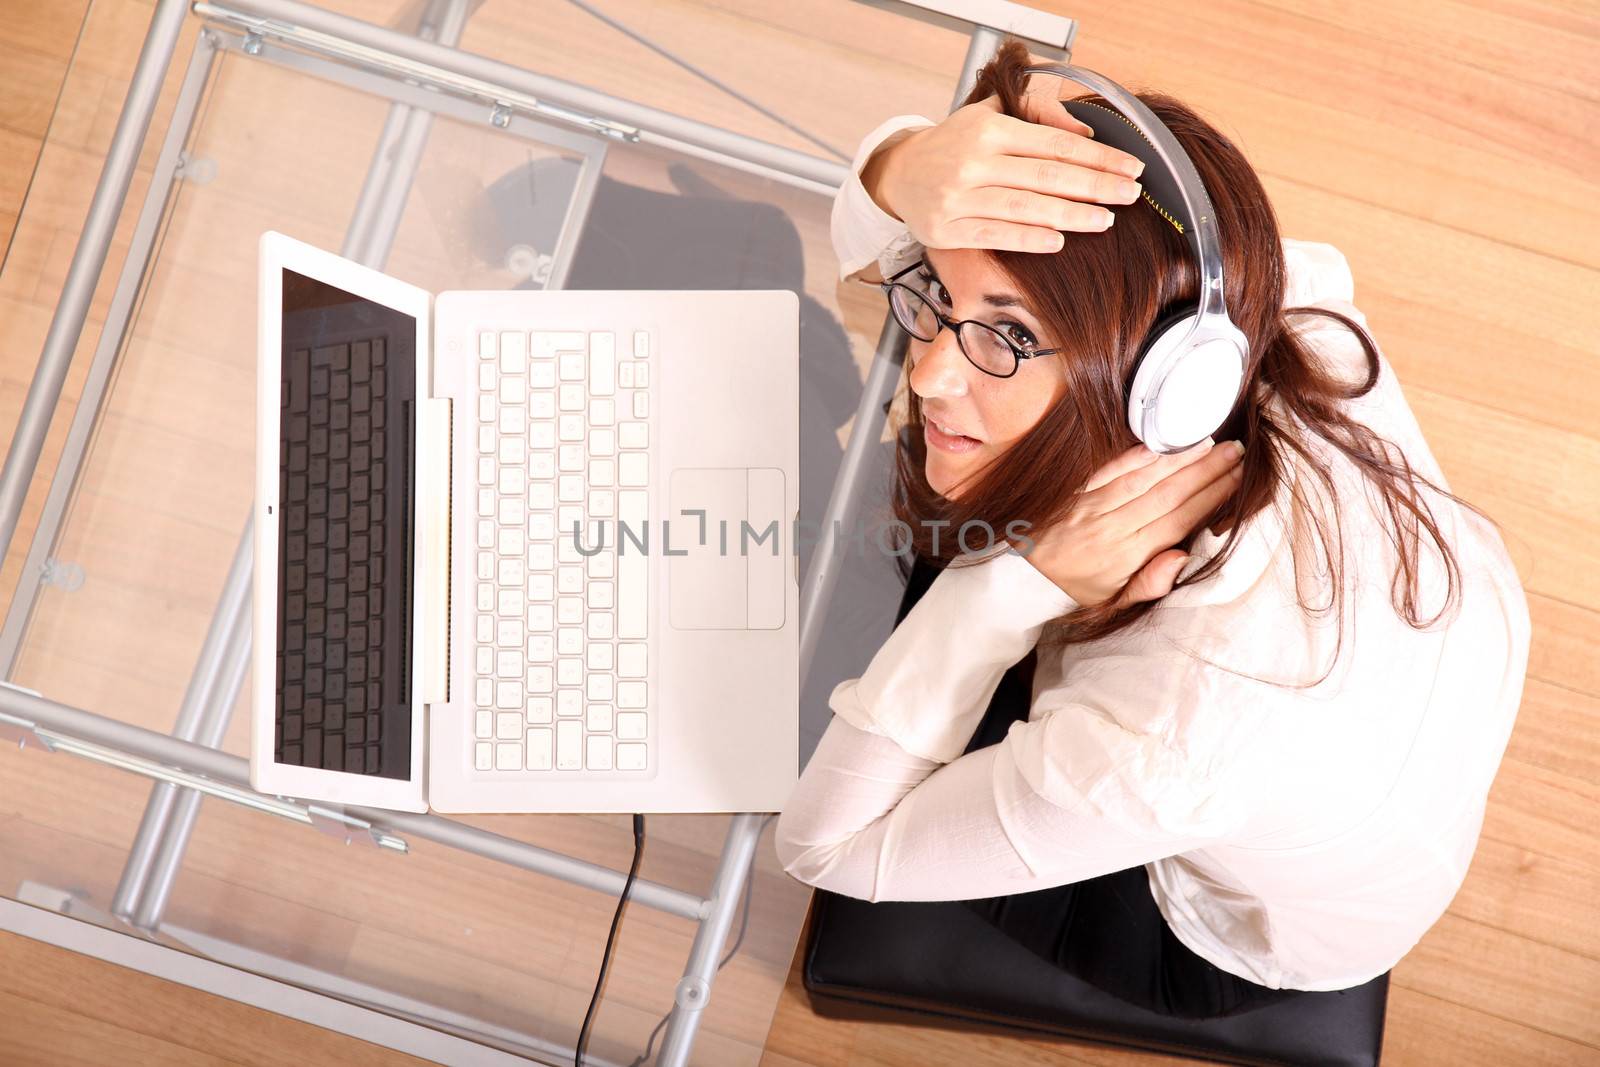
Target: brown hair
1098, 298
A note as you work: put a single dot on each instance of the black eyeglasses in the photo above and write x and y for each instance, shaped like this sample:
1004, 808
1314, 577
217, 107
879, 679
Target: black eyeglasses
984, 346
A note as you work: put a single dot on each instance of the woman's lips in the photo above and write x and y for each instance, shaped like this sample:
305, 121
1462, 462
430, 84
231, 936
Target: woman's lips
946, 442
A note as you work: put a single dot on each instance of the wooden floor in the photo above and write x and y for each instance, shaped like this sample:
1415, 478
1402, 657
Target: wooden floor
1448, 147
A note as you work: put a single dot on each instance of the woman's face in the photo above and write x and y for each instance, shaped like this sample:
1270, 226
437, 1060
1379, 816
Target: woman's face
988, 413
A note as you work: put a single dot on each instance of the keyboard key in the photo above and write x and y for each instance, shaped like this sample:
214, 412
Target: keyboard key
630, 756
630, 694
570, 457
511, 572
542, 376
486, 377
631, 660
603, 564
485, 693
508, 756
634, 435
483, 756
631, 725
509, 602
513, 480
486, 566
508, 663
641, 375
569, 671
569, 702
625, 375
486, 344
542, 496
546, 343
513, 512
514, 390
485, 502
569, 579
600, 595
485, 596
602, 442
571, 397
508, 726
598, 757
508, 634
484, 664
633, 573
569, 610
486, 470
542, 464
513, 351
571, 366
601, 503
541, 648
569, 487
602, 411
513, 421
542, 405
486, 530
641, 404
569, 741
511, 541
600, 657
542, 587
602, 363
600, 625
641, 344
569, 641
598, 716
570, 427
633, 468
541, 681
513, 451
597, 687
485, 724
541, 709
539, 742
508, 695
602, 472
486, 438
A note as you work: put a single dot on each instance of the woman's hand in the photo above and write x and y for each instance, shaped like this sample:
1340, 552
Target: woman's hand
982, 179
1117, 541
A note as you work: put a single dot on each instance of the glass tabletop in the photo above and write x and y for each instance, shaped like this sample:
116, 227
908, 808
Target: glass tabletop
133, 568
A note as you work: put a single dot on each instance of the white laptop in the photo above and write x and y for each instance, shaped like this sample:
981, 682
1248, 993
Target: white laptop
524, 551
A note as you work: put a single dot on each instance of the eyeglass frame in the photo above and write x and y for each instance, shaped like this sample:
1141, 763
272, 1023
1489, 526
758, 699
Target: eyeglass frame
945, 321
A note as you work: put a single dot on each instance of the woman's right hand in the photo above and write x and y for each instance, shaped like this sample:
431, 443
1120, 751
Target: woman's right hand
983, 179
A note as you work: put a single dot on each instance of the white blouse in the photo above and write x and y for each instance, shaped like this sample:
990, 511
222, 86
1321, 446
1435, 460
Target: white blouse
1301, 838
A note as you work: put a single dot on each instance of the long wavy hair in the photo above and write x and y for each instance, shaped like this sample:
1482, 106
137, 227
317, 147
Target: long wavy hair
1098, 297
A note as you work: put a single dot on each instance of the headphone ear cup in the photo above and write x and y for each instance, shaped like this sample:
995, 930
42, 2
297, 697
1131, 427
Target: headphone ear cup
1165, 323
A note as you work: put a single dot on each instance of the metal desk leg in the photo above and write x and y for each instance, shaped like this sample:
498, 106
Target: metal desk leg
694, 989
87, 262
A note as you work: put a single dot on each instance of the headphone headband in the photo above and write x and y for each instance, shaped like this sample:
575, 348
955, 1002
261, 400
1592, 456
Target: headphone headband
1200, 220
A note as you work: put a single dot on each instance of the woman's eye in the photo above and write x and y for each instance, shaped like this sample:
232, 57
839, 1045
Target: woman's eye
934, 288
1020, 334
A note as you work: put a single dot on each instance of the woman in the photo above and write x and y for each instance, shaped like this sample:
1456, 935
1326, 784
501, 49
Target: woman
1212, 738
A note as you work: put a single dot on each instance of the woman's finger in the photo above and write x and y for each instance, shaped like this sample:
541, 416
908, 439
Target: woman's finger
1174, 489
1015, 204
1155, 579
1024, 138
1131, 460
993, 233
1129, 489
1181, 521
1041, 102
1069, 181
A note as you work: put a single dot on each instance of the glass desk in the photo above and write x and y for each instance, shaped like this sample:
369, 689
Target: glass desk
700, 152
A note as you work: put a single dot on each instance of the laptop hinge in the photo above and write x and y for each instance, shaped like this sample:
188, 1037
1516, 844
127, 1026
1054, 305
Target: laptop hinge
433, 522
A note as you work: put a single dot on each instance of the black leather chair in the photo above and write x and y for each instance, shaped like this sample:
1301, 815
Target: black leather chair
939, 964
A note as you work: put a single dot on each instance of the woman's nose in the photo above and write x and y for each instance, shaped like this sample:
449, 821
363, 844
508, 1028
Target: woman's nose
940, 369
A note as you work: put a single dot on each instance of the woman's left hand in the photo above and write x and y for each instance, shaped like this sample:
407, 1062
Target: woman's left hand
1118, 540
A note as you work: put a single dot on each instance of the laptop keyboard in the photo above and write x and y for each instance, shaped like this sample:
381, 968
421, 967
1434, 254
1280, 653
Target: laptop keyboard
561, 678
342, 657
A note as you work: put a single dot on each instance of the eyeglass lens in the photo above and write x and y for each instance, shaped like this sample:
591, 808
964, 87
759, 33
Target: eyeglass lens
983, 345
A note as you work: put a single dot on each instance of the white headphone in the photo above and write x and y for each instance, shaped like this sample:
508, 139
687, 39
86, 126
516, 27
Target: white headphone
1190, 369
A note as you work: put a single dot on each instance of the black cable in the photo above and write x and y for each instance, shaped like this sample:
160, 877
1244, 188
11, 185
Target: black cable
744, 922
605, 959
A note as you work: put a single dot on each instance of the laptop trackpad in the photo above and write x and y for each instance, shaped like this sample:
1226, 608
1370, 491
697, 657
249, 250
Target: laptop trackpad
725, 567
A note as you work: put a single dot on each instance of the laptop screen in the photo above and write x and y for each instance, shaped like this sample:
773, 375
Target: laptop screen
345, 537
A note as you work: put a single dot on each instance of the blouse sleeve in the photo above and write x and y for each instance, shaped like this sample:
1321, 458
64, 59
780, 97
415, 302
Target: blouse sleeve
863, 233
889, 809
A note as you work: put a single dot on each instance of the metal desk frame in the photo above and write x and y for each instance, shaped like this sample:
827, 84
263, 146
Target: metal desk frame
423, 74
